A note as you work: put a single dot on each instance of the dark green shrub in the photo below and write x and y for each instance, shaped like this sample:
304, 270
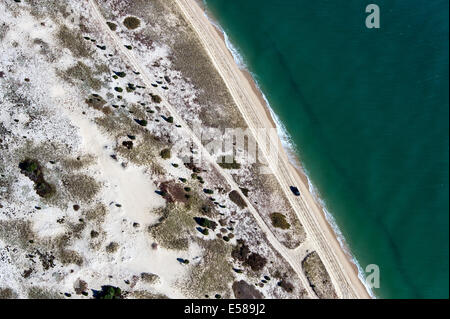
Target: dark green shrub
165, 153
131, 23
155, 98
279, 221
204, 222
141, 122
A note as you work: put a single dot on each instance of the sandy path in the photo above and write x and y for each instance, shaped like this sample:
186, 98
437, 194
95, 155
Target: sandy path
290, 256
342, 271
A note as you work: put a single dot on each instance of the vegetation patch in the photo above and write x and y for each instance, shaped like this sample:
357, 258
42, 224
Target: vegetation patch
255, 261
36, 292
149, 278
112, 247
243, 290
237, 199
318, 276
108, 292
279, 221
131, 23
33, 170
73, 41
7, 293
84, 73
81, 187
96, 102
165, 153
213, 275
225, 165
174, 228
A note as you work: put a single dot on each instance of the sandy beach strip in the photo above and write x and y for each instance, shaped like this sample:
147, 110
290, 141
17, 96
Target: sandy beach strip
342, 270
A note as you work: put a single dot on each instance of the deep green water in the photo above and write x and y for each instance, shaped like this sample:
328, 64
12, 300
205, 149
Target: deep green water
368, 111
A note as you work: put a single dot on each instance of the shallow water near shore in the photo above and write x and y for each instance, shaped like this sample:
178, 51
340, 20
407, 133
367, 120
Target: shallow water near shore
367, 111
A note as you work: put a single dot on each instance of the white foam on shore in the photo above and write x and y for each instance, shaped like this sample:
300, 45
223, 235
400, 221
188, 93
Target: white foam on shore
292, 152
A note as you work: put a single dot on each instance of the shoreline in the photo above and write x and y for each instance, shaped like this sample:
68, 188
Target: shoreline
313, 201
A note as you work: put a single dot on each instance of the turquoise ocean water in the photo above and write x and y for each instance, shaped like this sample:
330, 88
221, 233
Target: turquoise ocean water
367, 111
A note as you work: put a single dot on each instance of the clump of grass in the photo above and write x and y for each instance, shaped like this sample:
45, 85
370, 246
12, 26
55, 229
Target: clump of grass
82, 72
36, 292
174, 229
73, 41
81, 187
7, 293
112, 247
67, 256
214, 273
131, 23
149, 277
279, 221
95, 101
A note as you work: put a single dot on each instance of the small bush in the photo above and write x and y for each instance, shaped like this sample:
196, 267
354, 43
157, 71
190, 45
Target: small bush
204, 222
120, 74
112, 26
108, 292
141, 122
155, 98
165, 153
